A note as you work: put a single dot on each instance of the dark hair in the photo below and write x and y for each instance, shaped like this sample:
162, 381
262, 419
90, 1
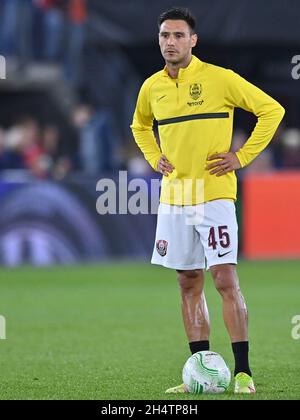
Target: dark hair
178, 13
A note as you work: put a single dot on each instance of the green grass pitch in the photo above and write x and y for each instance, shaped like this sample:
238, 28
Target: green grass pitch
114, 331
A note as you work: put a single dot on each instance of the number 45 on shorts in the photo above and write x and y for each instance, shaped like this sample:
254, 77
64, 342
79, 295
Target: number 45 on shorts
219, 236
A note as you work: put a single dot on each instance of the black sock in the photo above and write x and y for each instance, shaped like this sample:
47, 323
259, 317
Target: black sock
196, 346
240, 351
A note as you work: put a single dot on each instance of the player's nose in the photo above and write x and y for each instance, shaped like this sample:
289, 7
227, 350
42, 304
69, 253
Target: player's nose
170, 41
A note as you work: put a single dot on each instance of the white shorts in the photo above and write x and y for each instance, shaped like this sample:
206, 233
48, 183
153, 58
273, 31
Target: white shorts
191, 237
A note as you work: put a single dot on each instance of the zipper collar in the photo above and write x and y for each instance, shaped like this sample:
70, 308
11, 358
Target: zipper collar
185, 73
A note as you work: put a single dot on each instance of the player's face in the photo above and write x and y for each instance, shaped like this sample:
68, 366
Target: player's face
176, 41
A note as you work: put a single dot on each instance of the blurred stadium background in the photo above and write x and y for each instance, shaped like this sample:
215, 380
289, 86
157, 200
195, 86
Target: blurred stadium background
73, 71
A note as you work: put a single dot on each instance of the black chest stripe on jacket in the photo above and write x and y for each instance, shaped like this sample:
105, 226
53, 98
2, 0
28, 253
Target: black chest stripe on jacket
194, 117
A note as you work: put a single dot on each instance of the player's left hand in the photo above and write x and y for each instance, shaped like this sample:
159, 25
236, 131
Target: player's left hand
228, 162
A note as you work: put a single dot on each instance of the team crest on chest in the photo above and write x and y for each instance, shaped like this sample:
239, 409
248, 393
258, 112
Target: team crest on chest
195, 91
162, 247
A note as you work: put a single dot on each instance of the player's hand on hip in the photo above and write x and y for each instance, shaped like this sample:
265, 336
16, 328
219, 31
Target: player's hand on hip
227, 162
164, 166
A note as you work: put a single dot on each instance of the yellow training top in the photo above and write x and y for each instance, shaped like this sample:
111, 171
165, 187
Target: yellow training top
195, 118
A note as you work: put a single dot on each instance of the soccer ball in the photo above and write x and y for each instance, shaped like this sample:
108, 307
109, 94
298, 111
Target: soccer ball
206, 372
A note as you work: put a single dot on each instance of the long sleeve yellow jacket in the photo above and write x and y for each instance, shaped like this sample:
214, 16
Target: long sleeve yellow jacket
195, 118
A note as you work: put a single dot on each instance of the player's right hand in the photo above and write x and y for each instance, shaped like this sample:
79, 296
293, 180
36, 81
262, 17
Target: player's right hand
164, 166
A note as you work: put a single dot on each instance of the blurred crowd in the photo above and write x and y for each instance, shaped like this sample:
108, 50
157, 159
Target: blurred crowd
53, 32
37, 148
282, 153
28, 146
49, 30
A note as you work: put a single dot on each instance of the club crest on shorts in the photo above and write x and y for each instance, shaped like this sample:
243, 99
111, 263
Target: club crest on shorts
162, 247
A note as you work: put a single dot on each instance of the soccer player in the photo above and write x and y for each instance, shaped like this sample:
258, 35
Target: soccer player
193, 103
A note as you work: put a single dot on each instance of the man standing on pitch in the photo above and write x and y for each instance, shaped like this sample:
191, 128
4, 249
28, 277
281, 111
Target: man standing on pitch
193, 103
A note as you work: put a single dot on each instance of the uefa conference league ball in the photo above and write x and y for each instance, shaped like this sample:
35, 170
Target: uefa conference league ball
206, 372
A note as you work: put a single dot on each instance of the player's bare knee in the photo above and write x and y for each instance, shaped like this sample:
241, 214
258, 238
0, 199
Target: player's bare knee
189, 280
226, 281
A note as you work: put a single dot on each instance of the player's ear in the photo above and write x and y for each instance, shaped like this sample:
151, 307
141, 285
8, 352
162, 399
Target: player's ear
194, 40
